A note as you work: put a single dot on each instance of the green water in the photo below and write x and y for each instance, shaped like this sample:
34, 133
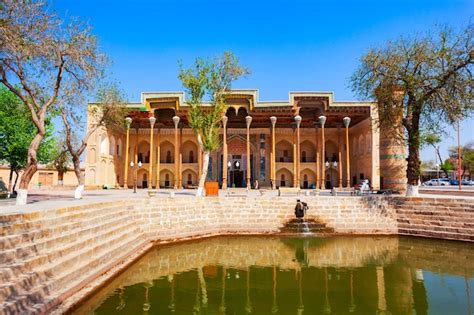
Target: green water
273, 275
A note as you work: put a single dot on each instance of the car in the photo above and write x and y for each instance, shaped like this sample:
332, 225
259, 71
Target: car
437, 182
467, 182
454, 182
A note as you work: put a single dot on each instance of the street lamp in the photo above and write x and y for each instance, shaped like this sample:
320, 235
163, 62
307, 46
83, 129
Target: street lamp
330, 165
132, 165
229, 164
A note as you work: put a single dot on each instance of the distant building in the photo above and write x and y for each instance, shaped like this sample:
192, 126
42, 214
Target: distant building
299, 156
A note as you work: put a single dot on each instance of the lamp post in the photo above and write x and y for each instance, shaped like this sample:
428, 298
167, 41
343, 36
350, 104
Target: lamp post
237, 166
248, 121
330, 165
128, 122
135, 168
347, 121
152, 120
322, 121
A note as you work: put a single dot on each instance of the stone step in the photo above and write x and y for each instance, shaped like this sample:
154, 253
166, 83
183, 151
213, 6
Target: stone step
27, 224
61, 258
46, 230
30, 248
72, 276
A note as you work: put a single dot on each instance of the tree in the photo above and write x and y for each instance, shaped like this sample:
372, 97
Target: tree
61, 162
16, 133
212, 79
433, 139
424, 81
49, 59
109, 111
467, 158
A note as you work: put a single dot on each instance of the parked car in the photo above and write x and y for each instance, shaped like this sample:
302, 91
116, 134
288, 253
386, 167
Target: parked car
437, 182
454, 182
467, 182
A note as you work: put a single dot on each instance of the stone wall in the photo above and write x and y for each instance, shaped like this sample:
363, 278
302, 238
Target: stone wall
48, 255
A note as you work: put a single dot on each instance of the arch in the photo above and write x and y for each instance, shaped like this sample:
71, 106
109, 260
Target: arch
361, 148
144, 151
112, 148
331, 151
103, 172
119, 147
142, 178
167, 152
91, 177
284, 151
284, 178
308, 151
368, 142
104, 144
189, 150
166, 179
91, 155
308, 179
111, 173
189, 178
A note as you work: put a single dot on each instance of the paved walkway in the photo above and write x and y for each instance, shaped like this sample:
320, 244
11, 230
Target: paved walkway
51, 199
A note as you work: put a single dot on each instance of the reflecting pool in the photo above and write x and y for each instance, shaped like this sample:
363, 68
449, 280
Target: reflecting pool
285, 275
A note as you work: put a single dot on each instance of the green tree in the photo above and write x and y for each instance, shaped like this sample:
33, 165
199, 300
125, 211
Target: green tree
16, 133
467, 158
433, 140
422, 81
108, 112
212, 79
50, 60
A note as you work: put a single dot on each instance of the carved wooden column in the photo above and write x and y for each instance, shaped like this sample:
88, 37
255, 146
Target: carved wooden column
224, 152
128, 122
317, 155
298, 151
180, 169
347, 122
158, 157
273, 120
152, 124
176, 152
248, 121
339, 145
322, 121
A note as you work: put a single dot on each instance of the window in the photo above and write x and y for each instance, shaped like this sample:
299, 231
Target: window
191, 156
168, 156
282, 180
303, 156
262, 168
190, 179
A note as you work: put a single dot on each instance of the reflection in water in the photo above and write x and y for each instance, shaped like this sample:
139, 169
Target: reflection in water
271, 275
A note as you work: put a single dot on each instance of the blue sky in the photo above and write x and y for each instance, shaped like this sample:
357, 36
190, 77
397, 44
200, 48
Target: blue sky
288, 45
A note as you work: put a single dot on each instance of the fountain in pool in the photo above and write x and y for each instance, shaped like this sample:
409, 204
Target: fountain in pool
302, 225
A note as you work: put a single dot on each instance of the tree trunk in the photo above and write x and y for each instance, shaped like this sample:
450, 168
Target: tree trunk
80, 178
16, 180
413, 160
202, 180
30, 169
10, 181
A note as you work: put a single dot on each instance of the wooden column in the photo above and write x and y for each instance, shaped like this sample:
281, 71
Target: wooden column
298, 151
295, 168
158, 157
180, 169
322, 121
152, 124
176, 152
347, 122
273, 120
199, 156
317, 155
339, 145
248, 121
128, 122
224, 152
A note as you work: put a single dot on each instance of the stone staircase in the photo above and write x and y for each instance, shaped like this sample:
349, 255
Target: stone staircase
47, 255
305, 226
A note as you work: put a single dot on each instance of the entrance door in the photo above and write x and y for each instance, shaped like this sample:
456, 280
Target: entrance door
236, 178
